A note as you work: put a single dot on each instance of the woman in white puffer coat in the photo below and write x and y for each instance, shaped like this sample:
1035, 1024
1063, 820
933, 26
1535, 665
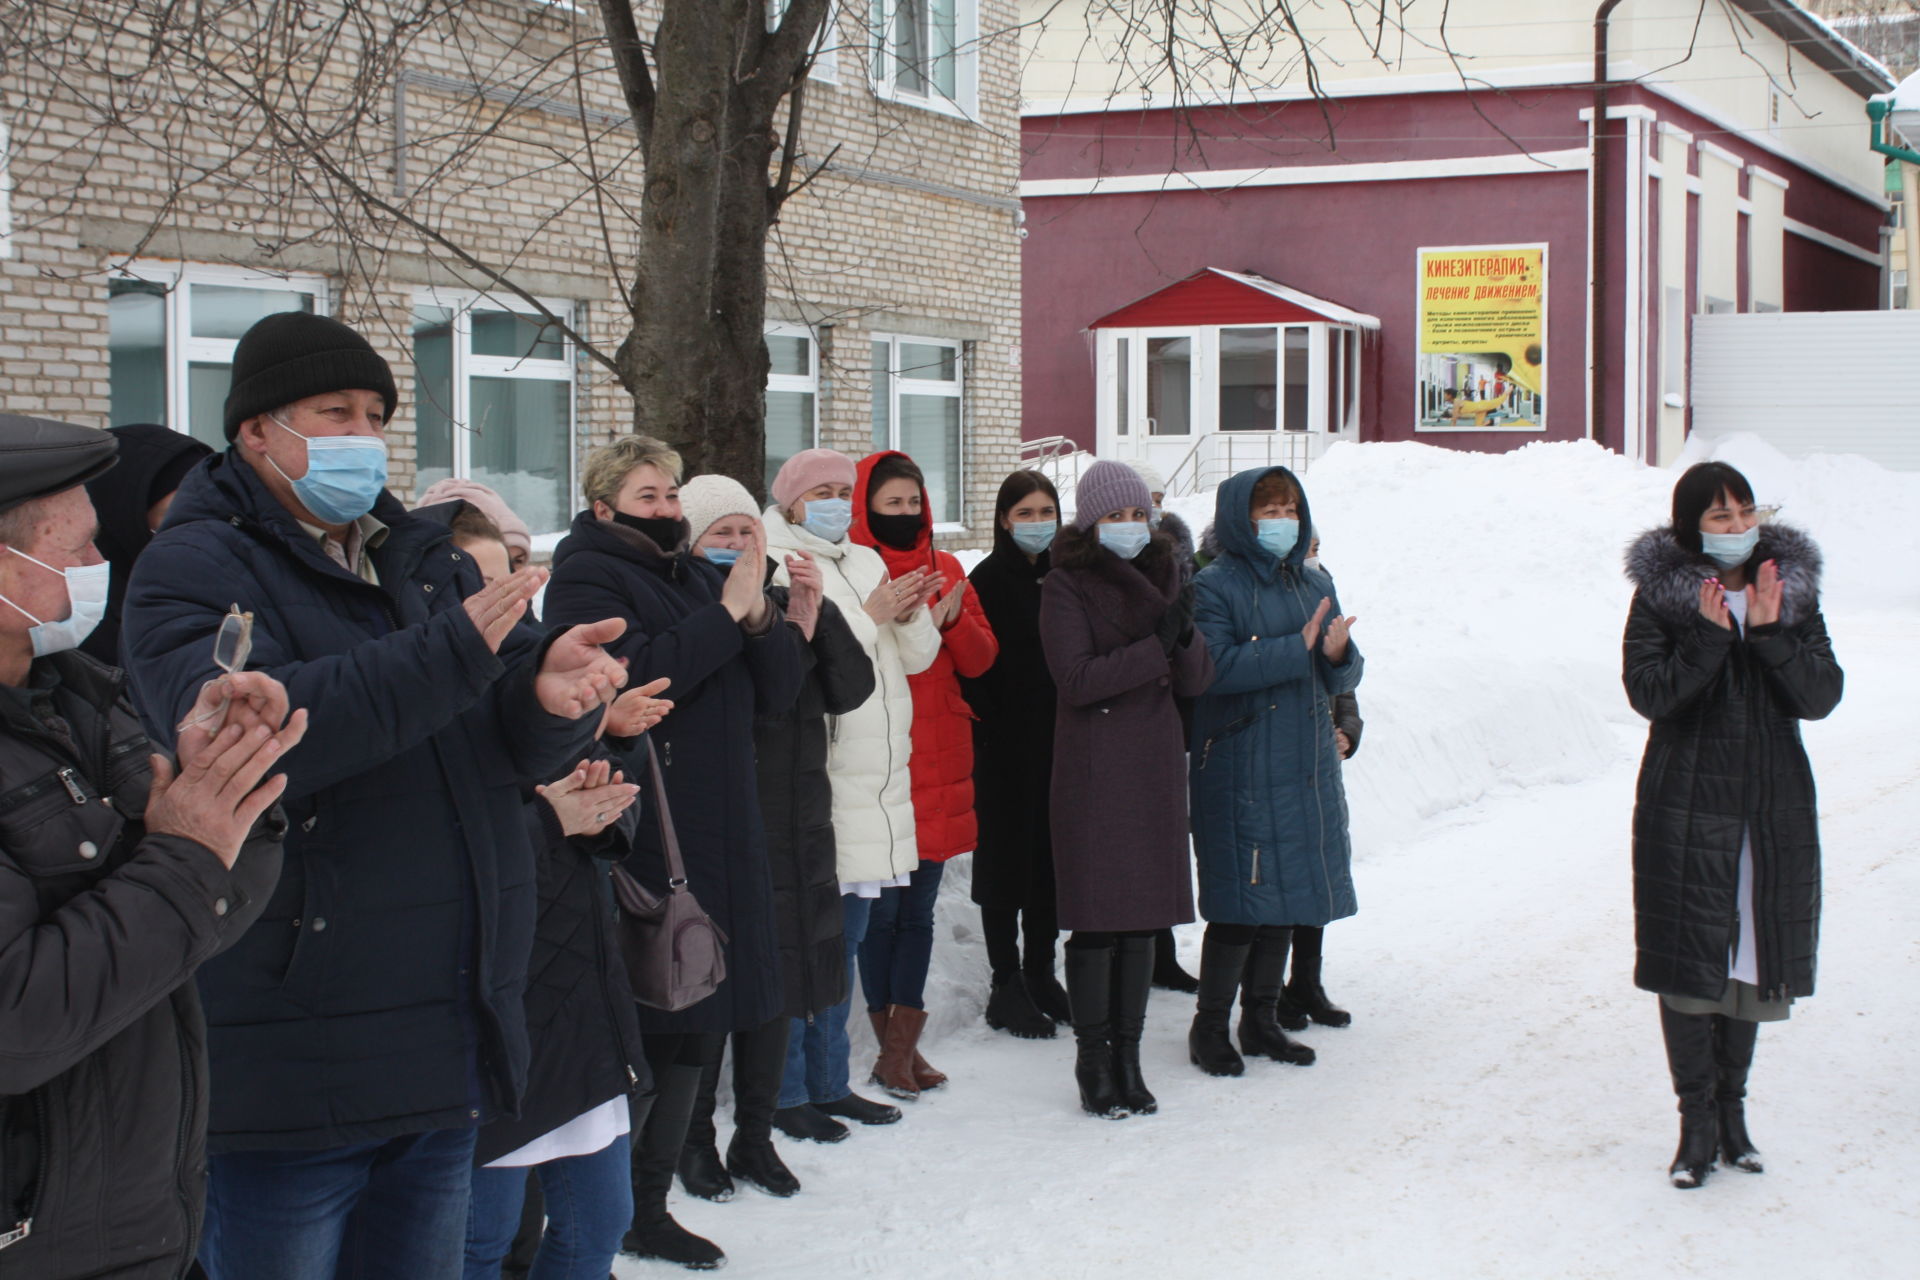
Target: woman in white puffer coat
873, 827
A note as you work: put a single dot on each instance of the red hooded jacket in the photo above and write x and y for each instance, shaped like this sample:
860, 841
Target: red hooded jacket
942, 764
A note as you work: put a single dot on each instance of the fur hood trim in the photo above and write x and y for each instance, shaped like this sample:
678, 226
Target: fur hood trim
1668, 576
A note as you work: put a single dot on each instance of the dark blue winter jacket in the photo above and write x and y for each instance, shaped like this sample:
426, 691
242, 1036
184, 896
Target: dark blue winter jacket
380, 992
1269, 810
722, 677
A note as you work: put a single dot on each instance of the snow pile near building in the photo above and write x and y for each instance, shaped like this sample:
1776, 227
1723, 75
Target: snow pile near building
1500, 1106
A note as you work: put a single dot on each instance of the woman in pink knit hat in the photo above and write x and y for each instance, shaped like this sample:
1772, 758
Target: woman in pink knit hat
873, 828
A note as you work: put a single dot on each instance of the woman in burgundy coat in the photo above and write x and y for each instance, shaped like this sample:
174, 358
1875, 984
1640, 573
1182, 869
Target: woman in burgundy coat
1116, 622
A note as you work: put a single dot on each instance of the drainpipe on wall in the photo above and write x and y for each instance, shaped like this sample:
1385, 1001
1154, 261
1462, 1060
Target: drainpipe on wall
1597, 267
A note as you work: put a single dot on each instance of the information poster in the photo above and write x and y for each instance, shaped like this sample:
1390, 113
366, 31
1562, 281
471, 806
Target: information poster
1483, 339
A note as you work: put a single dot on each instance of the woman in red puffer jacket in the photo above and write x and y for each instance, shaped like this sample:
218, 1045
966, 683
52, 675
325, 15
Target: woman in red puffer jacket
892, 515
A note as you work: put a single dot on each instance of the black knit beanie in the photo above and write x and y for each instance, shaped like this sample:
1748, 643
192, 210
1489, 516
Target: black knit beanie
291, 355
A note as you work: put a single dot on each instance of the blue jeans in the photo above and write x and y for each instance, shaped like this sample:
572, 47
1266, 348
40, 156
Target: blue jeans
899, 943
376, 1210
589, 1205
817, 1051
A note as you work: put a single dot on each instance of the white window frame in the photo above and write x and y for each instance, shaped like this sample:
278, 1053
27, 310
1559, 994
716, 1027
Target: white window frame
884, 73
467, 366
808, 384
826, 45
183, 349
6, 191
899, 385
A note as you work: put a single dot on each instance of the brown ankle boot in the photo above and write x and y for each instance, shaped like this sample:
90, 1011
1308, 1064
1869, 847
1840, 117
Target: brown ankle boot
897, 1028
923, 1073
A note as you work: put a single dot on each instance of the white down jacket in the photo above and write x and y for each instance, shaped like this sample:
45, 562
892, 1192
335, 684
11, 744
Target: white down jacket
867, 761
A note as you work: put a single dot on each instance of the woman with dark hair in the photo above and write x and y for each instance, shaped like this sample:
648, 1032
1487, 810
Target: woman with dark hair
130, 499
895, 518
1013, 709
1116, 625
1269, 806
1725, 652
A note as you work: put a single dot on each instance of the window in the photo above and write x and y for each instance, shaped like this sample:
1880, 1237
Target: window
1343, 379
826, 45
923, 52
6, 192
1170, 385
171, 330
1673, 347
1249, 379
793, 391
1900, 290
917, 387
493, 402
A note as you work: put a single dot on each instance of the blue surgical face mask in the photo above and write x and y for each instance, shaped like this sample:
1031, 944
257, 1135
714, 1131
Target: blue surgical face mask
1730, 549
828, 518
87, 604
722, 556
1033, 536
1278, 536
1126, 539
345, 475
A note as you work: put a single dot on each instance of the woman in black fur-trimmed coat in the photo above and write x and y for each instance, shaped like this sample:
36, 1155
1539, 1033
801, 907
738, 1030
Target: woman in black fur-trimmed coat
1725, 653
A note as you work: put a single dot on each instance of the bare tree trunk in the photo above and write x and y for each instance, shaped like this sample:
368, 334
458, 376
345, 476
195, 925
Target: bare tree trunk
696, 360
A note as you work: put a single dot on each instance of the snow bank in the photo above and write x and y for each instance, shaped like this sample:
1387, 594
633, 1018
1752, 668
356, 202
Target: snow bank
1491, 599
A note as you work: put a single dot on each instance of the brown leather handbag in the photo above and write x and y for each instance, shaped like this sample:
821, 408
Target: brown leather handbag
674, 951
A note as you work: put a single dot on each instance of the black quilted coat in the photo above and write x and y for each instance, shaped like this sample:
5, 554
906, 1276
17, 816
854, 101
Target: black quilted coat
1724, 755
796, 801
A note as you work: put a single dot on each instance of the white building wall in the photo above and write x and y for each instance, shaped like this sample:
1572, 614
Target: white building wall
1717, 59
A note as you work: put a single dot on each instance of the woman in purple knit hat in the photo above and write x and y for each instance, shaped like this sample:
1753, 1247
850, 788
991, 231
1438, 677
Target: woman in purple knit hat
1116, 622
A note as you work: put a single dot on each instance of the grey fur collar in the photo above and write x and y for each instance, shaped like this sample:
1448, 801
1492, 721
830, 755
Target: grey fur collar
1668, 576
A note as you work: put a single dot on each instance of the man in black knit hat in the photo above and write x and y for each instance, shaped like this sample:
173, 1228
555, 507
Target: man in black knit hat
371, 1022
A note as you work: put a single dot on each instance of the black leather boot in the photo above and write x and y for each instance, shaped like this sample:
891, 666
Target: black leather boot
1221, 965
1167, 972
759, 1062
1260, 1030
1049, 997
1132, 987
1303, 991
1733, 1041
1011, 1008
654, 1233
701, 1172
1689, 1038
1090, 988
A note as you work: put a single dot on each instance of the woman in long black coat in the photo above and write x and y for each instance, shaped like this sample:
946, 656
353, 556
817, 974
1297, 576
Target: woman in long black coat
1116, 623
728, 655
796, 804
1725, 652
1013, 707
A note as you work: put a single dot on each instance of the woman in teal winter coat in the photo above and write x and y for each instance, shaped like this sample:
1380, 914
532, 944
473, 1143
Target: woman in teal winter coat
1269, 811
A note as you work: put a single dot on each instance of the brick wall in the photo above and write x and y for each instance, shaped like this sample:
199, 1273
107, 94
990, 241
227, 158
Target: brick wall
912, 230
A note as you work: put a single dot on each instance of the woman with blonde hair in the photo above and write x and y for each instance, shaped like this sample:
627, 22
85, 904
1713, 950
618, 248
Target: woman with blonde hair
723, 646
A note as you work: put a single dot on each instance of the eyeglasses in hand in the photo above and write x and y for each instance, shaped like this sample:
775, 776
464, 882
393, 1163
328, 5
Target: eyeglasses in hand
232, 646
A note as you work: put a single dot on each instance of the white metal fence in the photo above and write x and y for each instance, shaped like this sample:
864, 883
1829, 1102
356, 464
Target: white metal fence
1812, 381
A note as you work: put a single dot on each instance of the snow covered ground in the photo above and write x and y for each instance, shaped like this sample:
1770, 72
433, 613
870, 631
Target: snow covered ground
1499, 1107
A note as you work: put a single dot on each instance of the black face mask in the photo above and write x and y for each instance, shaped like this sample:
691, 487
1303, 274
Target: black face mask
902, 533
667, 533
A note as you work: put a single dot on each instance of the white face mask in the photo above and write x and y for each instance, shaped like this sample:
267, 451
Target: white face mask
87, 604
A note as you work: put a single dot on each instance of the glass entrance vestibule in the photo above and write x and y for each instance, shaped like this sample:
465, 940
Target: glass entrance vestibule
1164, 390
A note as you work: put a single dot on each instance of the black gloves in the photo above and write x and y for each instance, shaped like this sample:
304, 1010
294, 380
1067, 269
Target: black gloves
1176, 624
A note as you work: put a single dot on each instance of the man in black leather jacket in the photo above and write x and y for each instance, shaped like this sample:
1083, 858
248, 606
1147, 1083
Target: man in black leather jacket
119, 875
